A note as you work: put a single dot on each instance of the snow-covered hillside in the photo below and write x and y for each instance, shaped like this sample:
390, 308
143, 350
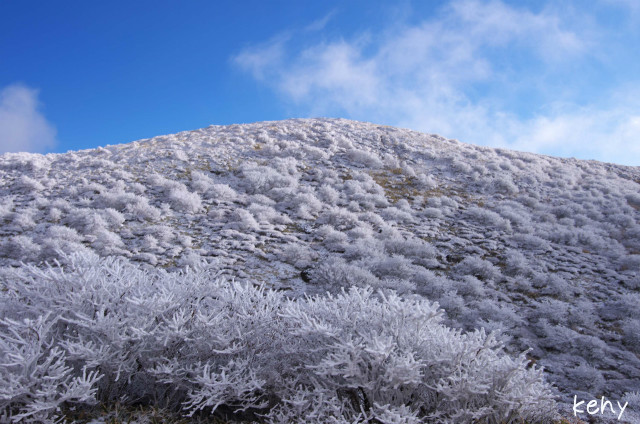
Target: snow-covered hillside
546, 250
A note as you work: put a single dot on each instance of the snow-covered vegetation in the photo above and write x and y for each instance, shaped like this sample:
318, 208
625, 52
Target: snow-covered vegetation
106, 330
543, 251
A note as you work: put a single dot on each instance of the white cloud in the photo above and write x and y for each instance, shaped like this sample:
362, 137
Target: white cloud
459, 76
321, 23
22, 125
261, 60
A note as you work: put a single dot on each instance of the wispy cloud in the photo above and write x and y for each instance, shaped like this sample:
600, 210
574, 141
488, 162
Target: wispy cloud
483, 72
22, 125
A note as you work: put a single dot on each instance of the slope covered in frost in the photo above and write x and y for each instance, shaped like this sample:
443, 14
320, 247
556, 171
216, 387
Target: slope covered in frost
546, 250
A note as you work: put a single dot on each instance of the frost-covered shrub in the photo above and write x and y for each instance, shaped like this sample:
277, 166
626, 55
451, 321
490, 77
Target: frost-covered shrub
554, 285
334, 272
621, 307
332, 239
118, 200
28, 184
518, 217
142, 210
364, 158
516, 263
108, 243
531, 242
477, 267
631, 263
37, 375
469, 286
426, 182
433, 213
421, 252
191, 259
632, 413
56, 249
395, 267
265, 213
340, 218
488, 218
586, 378
555, 311
363, 248
200, 182
503, 184
85, 220
363, 231
393, 213
19, 247
113, 218
163, 233
63, 233
453, 304
430, 284
502, 313
242, 220
183, 200
262, 179
6, 207
298, 255
222, 192
328, 194
307, 205
634, 200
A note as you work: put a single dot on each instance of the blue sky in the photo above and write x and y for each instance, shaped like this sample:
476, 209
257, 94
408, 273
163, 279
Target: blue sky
560, 78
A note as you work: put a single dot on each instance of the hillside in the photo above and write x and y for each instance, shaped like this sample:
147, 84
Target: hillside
545, 250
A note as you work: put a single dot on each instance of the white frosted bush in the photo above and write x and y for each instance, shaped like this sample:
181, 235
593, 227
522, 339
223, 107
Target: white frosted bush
200, 182
410, 248
243, 220
393, 213
142, 210
108, 243
307, 205
426, 182
192, 343
477, 267
262, 179
586, 378
334, 272
634, 200
328, 194
118, 200
516, 263
222, 192
28, 184
64, 233
632, 412
340, 218
36, 376
364, 158
433, 213
531, 242
183, 200
113, 218
488, 218
396, 266
469, 286
631, 263
298, 255
503, 184
265, 213
366, 248
6, 207
21, 248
